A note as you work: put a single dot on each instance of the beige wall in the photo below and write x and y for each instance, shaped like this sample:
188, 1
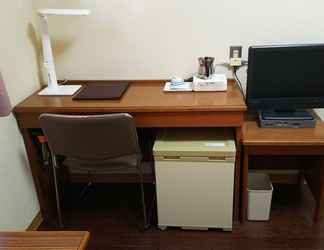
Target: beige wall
145, 39
162, 38
18, 200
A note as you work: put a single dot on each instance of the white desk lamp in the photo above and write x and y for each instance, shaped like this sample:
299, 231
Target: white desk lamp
52, 87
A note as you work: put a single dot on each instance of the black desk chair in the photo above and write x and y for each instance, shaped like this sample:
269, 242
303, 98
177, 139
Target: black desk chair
96, 142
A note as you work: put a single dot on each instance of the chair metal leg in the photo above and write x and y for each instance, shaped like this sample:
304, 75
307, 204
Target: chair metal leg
153, 202
151, 209
85, 189
57, 192
146, 223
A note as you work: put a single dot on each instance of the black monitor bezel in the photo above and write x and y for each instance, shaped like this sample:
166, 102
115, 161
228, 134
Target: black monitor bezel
279, 103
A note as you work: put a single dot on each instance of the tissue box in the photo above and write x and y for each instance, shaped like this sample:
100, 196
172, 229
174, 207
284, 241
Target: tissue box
217, 82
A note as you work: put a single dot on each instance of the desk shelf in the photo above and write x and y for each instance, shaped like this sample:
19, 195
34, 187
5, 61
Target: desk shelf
304, 144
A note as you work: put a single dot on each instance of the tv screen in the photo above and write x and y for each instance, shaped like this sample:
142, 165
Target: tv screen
286, 77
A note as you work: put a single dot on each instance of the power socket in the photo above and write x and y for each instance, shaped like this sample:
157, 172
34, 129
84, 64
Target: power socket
235, 56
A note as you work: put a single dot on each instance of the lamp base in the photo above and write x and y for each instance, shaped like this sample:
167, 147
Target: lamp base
60, 90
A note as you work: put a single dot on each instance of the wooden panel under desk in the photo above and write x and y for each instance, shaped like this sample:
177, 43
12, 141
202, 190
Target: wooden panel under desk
161, 119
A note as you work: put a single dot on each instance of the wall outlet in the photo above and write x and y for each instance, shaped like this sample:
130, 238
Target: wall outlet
236, 56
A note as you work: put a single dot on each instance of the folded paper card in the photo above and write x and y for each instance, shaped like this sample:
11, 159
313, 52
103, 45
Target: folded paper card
216, 82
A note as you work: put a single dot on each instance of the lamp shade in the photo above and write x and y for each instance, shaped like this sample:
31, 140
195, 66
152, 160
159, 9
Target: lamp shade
5, 106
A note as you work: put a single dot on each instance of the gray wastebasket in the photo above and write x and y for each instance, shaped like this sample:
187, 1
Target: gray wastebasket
259, 197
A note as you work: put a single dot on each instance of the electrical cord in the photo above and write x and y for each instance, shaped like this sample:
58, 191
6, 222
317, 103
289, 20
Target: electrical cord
244, 62
238, 82
63, 82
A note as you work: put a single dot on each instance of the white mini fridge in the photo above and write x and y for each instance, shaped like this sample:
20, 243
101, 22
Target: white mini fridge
194, 171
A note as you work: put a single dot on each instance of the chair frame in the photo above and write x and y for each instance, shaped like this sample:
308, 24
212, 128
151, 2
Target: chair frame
56, 166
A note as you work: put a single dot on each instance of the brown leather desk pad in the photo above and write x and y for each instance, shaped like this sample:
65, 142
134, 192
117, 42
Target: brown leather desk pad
102, 91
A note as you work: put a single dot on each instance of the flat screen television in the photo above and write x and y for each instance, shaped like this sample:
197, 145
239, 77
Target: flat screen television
285, 77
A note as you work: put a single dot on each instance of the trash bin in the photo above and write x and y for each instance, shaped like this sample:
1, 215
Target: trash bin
259, 197
194, 171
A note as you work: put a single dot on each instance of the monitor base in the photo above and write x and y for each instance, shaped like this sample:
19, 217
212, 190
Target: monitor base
286, 119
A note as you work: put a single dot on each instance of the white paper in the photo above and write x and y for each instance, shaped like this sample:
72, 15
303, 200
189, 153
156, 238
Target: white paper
185, 86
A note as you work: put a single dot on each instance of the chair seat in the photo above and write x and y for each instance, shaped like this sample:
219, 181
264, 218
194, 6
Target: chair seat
121, 164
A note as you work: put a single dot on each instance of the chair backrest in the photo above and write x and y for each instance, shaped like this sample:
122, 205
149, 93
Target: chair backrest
91, 137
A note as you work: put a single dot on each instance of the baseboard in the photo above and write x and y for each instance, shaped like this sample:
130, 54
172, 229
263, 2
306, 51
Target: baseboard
36, 222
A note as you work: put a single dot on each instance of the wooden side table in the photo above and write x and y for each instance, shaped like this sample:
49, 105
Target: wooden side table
69, 240
286, 142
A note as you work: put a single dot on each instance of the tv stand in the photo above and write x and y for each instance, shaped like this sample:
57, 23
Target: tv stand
286, 119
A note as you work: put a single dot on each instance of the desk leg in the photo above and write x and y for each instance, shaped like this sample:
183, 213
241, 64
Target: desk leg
40, 176
237, 174
319, 209
245, 176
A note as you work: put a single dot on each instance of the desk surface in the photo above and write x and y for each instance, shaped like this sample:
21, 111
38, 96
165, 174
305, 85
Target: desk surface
141, 96
254, 135
44, 240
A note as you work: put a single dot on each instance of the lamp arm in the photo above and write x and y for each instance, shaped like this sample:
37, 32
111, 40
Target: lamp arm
48, 54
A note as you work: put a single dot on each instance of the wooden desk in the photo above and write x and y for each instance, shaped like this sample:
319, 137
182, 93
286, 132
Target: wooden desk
285, 142
44, 240
151, 108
